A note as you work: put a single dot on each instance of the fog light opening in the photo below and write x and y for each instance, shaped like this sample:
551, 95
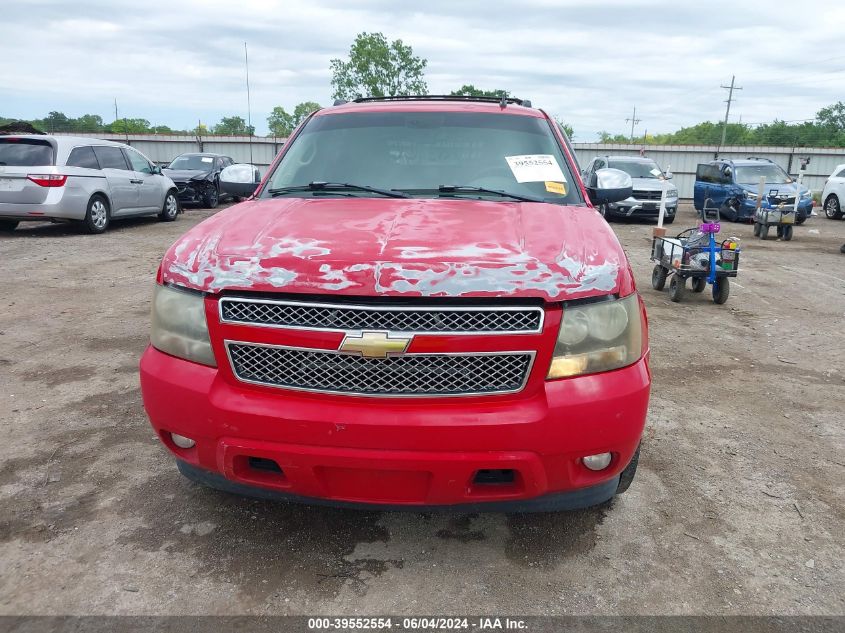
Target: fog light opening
600, 461
181, 441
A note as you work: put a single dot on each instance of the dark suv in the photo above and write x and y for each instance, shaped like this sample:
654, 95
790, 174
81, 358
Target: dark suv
732, 185
197, 177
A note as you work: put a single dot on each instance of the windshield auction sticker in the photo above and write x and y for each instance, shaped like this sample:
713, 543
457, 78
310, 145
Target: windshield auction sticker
535, 168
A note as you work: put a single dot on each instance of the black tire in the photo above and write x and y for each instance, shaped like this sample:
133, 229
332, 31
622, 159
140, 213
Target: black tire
779, 231
787, 233
832, 208
602, 208
7, 226
800, 220
764, 231
699, 284
97, 215
626, 477
677, 288
756, 229
211, 197
669, 219
842, 249
658, 277
170, 208
721, 290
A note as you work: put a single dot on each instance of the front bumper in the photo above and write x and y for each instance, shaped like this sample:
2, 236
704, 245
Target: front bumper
749, 208
416, 452
191, 192
641, 208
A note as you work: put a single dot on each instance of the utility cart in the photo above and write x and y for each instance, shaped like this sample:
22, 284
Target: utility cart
780, 215
696, 254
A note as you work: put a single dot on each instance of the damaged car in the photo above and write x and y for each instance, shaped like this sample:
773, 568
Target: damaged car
197, 177
419, 306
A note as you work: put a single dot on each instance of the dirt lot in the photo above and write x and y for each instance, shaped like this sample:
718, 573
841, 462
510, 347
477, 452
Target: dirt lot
738, 507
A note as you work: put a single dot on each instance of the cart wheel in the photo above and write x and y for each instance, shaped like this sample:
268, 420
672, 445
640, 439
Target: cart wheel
764, 231
756, 229
721, 290
699, 284
787, 232
658, 277
677, 288
780, 232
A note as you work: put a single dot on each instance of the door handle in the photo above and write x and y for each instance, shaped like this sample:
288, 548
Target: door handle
136, 182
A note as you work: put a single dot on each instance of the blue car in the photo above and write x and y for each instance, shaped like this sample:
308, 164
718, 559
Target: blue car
732, 185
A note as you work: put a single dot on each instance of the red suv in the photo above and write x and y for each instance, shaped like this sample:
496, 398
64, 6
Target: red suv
419, 306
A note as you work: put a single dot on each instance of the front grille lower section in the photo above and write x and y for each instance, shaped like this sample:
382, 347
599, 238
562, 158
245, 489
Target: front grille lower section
406, 375
639, 194
443, 319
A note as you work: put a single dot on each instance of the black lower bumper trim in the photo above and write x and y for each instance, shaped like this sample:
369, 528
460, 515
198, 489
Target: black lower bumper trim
571, 500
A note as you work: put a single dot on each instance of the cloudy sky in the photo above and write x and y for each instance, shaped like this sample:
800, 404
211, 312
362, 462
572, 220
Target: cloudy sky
588, 61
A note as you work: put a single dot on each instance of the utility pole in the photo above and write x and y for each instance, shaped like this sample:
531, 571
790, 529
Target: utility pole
634, 121
730, 90
248, 106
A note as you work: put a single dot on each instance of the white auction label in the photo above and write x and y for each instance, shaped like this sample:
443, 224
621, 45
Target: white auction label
535, 168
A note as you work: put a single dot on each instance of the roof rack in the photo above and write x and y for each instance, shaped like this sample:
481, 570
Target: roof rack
503, 101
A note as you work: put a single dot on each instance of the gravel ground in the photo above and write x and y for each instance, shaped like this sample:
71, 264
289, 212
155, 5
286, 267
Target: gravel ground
737, 507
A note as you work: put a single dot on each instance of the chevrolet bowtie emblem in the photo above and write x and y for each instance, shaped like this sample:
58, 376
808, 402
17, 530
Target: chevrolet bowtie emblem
374, 344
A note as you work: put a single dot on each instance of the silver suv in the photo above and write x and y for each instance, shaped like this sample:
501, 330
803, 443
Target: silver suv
648, 179
68, 178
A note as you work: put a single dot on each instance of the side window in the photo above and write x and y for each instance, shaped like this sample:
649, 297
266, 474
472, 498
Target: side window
83, 157
138, 162
110, 157
227, 161
841, 173
708, 173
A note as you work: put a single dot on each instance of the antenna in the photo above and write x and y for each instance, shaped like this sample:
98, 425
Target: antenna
730, 90
248, 106
634, 121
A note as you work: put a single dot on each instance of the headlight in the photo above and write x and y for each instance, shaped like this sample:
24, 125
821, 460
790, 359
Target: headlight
179, 326
671, 193
750, 195
598, 337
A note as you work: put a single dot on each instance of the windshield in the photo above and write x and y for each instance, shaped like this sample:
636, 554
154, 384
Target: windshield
192, 162
750, 174
637, 168
418, 152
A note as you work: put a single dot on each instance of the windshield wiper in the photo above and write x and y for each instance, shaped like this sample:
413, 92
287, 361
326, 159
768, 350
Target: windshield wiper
496, 192
335, 186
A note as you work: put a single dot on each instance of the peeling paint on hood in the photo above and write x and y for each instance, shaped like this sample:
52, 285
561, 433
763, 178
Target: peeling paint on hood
418, 247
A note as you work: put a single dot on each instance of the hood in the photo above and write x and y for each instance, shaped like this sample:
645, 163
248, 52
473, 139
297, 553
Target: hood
185, 174
650, 184
413, 247
787, 190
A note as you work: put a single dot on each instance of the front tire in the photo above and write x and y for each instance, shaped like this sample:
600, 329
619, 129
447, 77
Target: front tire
677, 288
787, 232
832, 210
211, 197
97, 215
7, 226
699, 284
170, 209
800, 220
721, 290
669, 219
658, 277
764, 231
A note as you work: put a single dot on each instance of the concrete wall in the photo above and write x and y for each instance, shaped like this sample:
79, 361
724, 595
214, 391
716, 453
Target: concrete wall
681, 159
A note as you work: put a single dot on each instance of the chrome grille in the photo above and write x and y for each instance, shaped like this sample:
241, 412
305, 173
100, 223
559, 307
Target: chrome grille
407, 375
640, 194
443, 319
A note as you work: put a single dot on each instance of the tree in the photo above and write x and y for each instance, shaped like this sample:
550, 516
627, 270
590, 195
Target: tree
377, 68
832, 116
234, 126
468, 90
280, 122
129, 126
301, 111
56, 122
570, 132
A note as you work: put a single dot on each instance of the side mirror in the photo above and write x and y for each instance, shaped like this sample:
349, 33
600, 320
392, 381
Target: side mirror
239, 180
668, 175
156, 169
609, 185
